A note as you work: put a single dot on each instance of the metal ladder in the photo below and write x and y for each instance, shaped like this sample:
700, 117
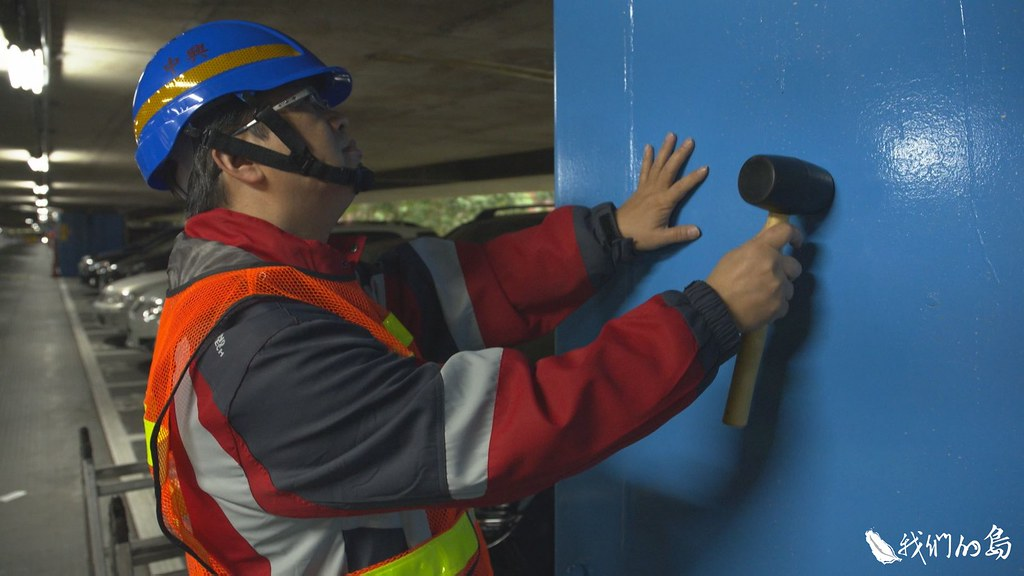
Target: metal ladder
122, 554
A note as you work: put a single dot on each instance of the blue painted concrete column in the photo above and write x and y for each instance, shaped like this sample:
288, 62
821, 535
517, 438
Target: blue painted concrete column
81, 233
889, 405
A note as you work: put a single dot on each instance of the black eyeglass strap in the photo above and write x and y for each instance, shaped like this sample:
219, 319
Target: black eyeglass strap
300, 161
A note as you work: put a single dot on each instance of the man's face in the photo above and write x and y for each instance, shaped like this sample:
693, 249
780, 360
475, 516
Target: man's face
325, 130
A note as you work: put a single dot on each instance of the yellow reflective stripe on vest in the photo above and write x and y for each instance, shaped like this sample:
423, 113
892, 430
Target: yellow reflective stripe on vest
446, 554
148, 428
397, 329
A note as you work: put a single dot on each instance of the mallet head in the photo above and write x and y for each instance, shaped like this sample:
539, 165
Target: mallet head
786, 185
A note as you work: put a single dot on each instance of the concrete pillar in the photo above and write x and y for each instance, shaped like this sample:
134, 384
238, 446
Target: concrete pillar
890, 399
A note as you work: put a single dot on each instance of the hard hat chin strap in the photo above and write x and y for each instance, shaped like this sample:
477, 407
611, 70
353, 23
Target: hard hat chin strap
300, 161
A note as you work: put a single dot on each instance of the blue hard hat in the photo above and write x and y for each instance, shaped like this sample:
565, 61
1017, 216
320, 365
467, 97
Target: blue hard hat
210, 61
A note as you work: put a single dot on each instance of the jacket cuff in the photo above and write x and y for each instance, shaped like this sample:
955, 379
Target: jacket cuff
717, 316
608, 234
600, 242
716, 332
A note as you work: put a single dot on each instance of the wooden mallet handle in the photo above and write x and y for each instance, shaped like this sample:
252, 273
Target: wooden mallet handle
782, 185
748, 363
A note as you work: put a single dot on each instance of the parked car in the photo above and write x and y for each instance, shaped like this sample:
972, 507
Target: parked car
144, 316
494, 222
154, 257
112, 304
380, 236
89, 265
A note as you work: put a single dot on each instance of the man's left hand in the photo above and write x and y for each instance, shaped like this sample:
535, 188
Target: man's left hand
645, 215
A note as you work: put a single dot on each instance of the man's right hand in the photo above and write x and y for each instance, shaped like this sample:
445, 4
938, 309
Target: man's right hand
756, 279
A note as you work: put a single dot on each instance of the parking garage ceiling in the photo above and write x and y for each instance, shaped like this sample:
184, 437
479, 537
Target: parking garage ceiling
449, 97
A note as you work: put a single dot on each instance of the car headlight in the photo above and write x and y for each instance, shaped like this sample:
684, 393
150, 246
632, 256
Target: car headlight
117, 298
152, 313
140, 303
136, 308
126, 297
110, 298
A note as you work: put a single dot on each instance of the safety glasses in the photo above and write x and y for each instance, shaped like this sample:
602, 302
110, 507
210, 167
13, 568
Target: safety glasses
315, 101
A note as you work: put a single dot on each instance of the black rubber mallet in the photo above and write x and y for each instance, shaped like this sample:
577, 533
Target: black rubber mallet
783, 186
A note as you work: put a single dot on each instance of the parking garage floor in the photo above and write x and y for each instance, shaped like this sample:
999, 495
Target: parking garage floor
60, 370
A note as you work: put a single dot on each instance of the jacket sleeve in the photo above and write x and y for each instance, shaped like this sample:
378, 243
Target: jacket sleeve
464, 296
571, 411
322, 417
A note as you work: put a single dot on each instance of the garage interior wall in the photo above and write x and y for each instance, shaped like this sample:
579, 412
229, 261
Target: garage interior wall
889, 399
81, 233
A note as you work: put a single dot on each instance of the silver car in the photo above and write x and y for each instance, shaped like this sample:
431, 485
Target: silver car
144, 316
112, 304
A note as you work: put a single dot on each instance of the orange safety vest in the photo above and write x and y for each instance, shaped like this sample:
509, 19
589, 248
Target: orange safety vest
456, 547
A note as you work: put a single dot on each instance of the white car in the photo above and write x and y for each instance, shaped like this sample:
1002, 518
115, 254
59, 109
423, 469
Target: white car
144, 316
112, 304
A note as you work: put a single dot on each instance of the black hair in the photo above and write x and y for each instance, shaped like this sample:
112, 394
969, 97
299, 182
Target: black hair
203, 190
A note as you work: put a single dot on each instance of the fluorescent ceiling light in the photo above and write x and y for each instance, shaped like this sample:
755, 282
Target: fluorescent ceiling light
14, 154
26, 69
80, 156
40, 164
19, 184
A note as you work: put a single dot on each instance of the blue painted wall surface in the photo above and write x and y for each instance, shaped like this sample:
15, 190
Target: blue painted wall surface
81, 233
891, 397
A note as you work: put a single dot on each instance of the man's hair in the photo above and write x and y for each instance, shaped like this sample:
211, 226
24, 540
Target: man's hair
204, 190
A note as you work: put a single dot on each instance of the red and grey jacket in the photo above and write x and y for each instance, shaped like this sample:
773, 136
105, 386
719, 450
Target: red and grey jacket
315, 446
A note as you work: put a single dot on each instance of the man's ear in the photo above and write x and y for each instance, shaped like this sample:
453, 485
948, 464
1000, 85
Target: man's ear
237, 167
